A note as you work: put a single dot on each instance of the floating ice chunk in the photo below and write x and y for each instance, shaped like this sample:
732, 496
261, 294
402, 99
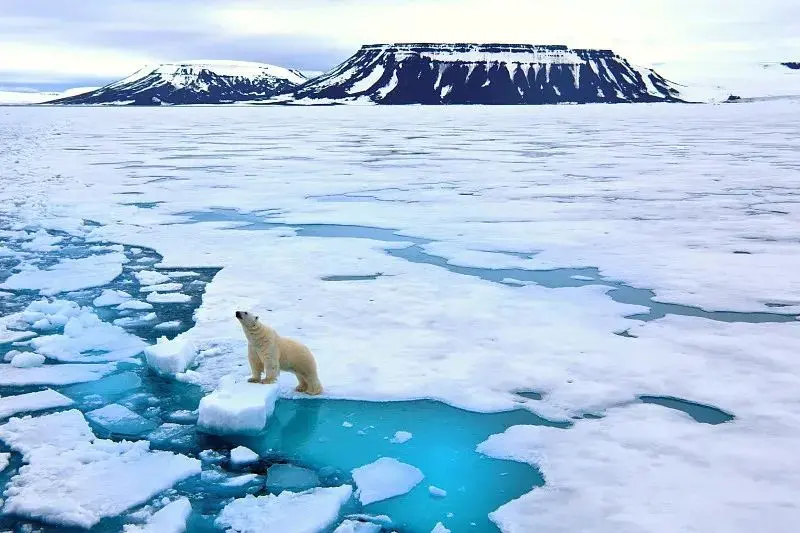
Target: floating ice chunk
65, 374
150, 277
211, 456
436, 491
171, 435
5, 459
132, 321
33, 401
304, 512
170, 519
439, 528
42, 242
401, 436
183, 274
7, 336
170, 357
69, 275
111, 297
183, 416
243, 456
163, 287
356, 526
27, 360
583, 278
347, 424
86, 338
237, 408
56, 312
11, 354
385, 478
134, 305
86, 478
282, 477
136, 251
120, 420
168, 298
172, 324
240, 481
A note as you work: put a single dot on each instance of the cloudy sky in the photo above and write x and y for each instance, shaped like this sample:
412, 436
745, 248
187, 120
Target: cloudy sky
66, 43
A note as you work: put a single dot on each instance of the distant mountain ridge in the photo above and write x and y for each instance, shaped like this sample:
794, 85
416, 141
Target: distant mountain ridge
194, 82
464, 73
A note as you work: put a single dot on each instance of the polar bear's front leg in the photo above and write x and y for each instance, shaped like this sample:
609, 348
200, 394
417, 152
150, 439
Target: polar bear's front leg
256, 367
271, 365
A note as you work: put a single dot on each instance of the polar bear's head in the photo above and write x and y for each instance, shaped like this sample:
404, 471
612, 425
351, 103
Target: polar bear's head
247, 320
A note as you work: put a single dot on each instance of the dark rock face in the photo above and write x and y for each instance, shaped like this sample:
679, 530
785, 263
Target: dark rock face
194, 83
488, 74
792, 65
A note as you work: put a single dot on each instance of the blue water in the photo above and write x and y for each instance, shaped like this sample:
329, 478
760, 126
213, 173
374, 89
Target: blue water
415, 253
329, 437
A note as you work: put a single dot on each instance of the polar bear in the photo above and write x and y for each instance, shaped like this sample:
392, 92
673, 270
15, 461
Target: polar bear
270, 353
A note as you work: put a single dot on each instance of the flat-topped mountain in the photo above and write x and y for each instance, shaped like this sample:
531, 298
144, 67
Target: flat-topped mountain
423, 73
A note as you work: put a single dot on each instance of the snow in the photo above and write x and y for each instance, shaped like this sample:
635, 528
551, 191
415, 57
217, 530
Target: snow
33, 401
86, 478
657, 197
63, 374
243, 456
68, 275
84, 333
134, 305
356, 526
385, 478
592, 467
42, 242
150, 277
439, 528
27, 97
27, 360
121, 420
304, 512
365, 83
5, 459
437, 492
170, 519
168, 297
170, 357
237, 407
401, 436
111, 297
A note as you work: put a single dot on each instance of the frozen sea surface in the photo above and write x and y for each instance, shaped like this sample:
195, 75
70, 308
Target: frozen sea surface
615, 283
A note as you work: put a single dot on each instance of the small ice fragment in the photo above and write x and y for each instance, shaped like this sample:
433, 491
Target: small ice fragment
27, 360
111, 297
437, 492
237, 408
385, 478
172, 324
183, 416
439, 528
163, 287
182, 274
356, 526
121, 420
210, 456
304, 512
401, 436
243, 456
150, 277
282, 477
131, 321
582, 278
347, 424
170, 519
134, 305
170, 357
5, 459
8, 336
168, 298
32, 401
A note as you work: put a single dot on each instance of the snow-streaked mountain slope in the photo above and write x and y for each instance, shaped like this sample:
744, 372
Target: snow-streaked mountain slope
194, 82
26, 97
487, 74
